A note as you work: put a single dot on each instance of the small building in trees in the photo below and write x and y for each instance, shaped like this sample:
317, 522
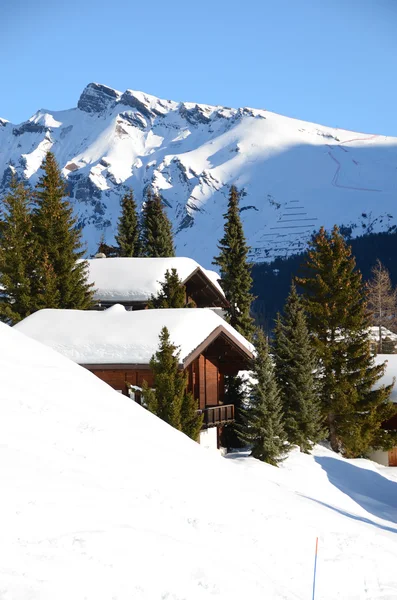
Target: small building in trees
388, 458
132, 281
117, 345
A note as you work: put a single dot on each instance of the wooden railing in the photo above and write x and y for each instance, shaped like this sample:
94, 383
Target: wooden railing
218, 415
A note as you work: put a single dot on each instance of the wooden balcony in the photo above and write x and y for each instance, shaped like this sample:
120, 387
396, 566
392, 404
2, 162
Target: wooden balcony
218, 415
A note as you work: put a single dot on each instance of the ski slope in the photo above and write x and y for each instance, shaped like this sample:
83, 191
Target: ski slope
102, 501
295, 176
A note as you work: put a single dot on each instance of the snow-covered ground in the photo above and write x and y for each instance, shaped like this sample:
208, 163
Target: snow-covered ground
102, 501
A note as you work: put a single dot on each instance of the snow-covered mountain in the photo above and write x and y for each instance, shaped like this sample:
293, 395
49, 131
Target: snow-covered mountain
101, 500
295, 175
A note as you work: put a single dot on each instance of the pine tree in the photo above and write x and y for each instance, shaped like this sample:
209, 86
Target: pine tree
263, 428
382, 300
236, 394
236, 282
47, 294
295, 365
16, 255
338, 320
235, 269
191, 420
58, 240
157, 239
172, 293
128, 229
168, 399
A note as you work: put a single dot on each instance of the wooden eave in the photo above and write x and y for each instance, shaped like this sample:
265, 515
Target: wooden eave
201, 284
219, 332
115, 366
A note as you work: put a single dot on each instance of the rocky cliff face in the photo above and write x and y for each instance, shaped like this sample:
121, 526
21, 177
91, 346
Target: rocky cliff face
294, 176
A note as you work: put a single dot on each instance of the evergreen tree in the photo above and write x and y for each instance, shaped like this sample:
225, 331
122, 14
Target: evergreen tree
263, 419
169, 399
235, 269
382, 301
17, 255
106, 249
191, 419
172, 293
295, 365
236, 394
338, 320
157, 239
58, 240
128, 230
47, 294
236, 282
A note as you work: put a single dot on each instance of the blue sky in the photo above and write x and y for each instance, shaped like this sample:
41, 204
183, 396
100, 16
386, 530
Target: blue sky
327, 61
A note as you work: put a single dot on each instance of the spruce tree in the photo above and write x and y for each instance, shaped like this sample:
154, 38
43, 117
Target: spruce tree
168, 399
236, 394
17, 255
338, 320
236, 282
157, 239
172, 293
295, 364
128, 229
58, 240
235, 269
262, 426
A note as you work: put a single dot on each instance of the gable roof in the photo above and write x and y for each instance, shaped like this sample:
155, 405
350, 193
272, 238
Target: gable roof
136, 279
118, 336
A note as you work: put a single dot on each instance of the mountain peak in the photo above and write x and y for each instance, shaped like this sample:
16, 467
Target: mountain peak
97, 98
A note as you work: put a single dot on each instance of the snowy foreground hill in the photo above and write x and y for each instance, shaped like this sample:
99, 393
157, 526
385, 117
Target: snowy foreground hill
295, 175
102, 501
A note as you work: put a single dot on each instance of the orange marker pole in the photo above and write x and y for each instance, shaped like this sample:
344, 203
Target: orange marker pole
315, 569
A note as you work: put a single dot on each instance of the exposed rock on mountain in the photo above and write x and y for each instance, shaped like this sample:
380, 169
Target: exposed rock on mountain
294, 176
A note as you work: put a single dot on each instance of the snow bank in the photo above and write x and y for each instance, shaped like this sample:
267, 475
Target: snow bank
100, 500
123, 279
116, 335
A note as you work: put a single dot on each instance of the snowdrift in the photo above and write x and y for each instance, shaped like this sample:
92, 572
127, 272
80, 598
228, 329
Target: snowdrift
100, 500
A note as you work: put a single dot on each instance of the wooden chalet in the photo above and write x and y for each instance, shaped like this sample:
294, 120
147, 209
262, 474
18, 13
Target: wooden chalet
387, 458
116, 345
132, 281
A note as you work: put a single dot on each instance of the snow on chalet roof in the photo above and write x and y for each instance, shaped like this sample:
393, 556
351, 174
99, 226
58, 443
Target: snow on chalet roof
136, 279
118, 336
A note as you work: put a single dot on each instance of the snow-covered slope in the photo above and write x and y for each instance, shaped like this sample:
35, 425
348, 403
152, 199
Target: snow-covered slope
100, 500
295, 175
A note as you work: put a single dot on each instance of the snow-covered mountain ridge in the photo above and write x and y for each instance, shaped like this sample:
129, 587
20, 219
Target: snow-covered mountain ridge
295, 175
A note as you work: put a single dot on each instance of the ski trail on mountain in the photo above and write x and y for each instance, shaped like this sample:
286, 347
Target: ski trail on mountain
335, 179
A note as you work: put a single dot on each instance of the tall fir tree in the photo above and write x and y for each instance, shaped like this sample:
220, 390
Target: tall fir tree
262, 426
235, 269
172, 293
157, 238
58, 240
128, 229
295, 364
236, 282
17, 255
169, 399
353, 404
382, 301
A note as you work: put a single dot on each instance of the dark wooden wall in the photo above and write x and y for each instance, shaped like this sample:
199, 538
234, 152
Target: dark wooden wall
204, 380
118, 378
